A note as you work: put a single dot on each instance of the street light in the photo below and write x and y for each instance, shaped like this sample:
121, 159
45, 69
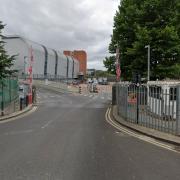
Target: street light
25, 57
149, 56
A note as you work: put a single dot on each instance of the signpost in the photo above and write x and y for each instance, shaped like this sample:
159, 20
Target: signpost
30, 76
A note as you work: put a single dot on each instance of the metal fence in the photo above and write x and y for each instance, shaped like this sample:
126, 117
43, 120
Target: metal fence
154, 106
9, 98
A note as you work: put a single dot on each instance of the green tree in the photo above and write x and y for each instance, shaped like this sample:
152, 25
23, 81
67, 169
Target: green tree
109, 63
6, 61
141, 22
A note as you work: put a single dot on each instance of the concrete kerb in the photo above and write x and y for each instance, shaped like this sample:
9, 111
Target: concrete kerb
168, 138
16, 114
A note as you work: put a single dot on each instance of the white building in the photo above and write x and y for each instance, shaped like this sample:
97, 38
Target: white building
47, 63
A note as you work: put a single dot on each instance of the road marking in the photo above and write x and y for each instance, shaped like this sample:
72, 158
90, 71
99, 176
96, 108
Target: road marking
18, 132
91, 96
102, 97
141, 137
46, 125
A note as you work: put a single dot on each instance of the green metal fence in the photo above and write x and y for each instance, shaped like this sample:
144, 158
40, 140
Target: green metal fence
8, 93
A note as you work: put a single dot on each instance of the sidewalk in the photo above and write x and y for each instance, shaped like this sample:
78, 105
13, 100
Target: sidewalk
56, 86
144, 130
16, 114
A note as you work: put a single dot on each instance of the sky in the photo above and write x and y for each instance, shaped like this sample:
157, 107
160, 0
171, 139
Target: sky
63, 24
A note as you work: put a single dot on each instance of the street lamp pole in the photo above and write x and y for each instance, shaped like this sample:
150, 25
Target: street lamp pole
149, 57
25, 67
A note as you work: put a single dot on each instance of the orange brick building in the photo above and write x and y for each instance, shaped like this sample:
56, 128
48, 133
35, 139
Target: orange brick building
81, 56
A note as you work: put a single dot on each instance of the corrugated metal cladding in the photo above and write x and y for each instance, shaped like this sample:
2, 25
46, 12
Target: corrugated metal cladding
47, 63
45, 60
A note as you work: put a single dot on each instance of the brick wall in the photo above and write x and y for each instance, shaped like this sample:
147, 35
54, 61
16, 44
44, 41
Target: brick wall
81, 56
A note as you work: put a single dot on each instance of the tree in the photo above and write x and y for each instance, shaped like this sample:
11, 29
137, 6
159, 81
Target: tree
141, 22
6, 61
109, 63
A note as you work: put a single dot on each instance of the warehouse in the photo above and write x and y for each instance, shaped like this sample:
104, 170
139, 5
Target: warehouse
47, 63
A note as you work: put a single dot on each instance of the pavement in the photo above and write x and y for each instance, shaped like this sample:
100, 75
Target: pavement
16, 114
67, 138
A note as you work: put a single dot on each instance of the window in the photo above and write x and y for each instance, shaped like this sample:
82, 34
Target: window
173, 92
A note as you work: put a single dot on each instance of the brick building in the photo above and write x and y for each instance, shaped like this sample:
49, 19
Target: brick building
81, 56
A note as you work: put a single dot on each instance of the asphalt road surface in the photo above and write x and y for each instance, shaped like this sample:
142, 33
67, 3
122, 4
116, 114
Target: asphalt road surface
67, 138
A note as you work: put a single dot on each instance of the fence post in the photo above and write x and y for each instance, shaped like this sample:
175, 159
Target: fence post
178, 111
114, 95
80, 90
137, 105
2, 100
126, 103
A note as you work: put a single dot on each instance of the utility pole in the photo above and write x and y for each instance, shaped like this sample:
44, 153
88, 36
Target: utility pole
149, 57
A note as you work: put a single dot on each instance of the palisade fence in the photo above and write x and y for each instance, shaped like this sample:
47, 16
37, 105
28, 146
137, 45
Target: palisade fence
155, 106
9, 97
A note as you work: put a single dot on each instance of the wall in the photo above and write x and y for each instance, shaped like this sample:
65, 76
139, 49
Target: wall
81, 56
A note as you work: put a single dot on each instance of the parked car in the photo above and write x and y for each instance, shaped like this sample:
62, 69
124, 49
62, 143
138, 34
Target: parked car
100, 81
105, 81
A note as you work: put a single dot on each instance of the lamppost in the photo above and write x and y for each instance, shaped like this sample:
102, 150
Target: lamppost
25, 57
149, 57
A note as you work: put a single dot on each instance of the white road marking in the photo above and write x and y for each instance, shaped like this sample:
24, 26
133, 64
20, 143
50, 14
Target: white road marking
102, 97
18, 132
46, 125
141, 137
91, 96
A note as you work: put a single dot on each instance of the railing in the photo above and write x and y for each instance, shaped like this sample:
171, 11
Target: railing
9, 99
153, 106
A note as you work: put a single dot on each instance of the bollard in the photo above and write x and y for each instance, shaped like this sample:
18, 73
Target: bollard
27, 100
2, 108
80, 90
21, 104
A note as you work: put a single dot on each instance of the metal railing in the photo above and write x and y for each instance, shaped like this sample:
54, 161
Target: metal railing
9, 99
154, 106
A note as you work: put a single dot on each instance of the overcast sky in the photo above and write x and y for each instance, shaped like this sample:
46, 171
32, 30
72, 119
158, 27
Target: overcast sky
63, 24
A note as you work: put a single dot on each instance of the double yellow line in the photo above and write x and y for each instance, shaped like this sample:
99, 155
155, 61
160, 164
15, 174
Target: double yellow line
141, 137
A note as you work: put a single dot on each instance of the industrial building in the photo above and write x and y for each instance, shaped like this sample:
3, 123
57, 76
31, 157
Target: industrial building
47, 63
81, 56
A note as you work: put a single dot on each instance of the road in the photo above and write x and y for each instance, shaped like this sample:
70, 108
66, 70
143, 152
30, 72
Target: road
67, 138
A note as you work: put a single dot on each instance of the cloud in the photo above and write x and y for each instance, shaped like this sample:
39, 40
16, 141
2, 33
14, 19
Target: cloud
63, 24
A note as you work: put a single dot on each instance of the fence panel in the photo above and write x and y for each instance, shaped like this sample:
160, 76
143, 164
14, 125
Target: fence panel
153, 106
9, 98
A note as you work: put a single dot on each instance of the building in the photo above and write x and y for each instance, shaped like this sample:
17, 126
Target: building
47, 63
91, 72
81, 56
